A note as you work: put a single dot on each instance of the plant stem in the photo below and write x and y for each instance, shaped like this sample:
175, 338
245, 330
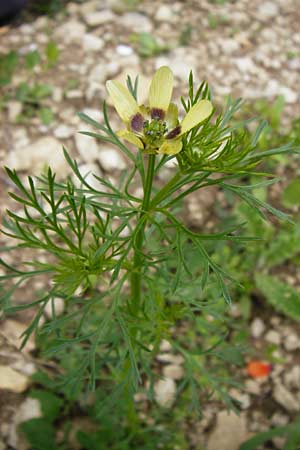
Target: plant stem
136, 276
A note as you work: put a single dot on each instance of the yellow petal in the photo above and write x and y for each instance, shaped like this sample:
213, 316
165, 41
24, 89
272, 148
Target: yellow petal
172, 116
131, 137
123, 101
199, 112
171, 147
161, 88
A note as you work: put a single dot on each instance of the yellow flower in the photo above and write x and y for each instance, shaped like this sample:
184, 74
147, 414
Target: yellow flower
155, 128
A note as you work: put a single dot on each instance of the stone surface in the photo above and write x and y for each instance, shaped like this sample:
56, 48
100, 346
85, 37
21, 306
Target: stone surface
57, 306
230, 432
273, 337
173, 371
291, 342
111, 160
87, 146
257, 328
37, 156
12, 380
268, 10
285, 398
136, 22
165, 391
92, 43
96, 18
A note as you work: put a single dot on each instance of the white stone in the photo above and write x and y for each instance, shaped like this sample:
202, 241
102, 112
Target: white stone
229, 433
87, 146
14, 109
57, 94
165, 346
245, 64
285, 398
273, 337
164, 13
257, 327
37, 156
229, 46
174, 372
111, 160
96, 18
57, 304
290, 96
98, 73
63, 132
12, 380
291, 342
124, 50
136, 22
70, 32
292, 378
92, 43
268, 10
165, 392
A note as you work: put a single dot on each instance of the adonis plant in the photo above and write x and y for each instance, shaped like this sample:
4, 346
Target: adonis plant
128, 270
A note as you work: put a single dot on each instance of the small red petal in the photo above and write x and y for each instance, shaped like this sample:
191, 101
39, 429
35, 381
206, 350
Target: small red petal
258, 369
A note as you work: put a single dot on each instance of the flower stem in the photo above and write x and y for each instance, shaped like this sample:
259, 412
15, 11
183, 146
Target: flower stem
136, 276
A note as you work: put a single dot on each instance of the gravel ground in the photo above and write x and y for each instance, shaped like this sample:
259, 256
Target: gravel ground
248, 49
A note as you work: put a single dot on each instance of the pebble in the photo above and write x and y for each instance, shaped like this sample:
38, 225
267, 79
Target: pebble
124, 50
165, 346
136, 22
173, 371
97, 18
257, 328
13, 331
12, 380
229, 433
92, 43
273, 337
63, 131
292, 378
87, 171
14, 108
165, 392
268, 10
29, 409
285, 398
70, 32
111, 160
87, 146
291, 342
164, 13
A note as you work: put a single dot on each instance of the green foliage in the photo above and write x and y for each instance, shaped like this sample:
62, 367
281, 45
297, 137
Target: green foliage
185, 35
280, 295
32, 97
128, 269
291, 194
51, 404
147, 45
52, 54
8, 64
40, 434
32, 59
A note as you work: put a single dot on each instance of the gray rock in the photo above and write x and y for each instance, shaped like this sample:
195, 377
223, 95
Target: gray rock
229, 433
165, 392
57, 305
28, 410
292, 378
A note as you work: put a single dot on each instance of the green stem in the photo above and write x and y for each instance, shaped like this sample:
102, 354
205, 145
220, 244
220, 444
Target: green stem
136, 276
164, 192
